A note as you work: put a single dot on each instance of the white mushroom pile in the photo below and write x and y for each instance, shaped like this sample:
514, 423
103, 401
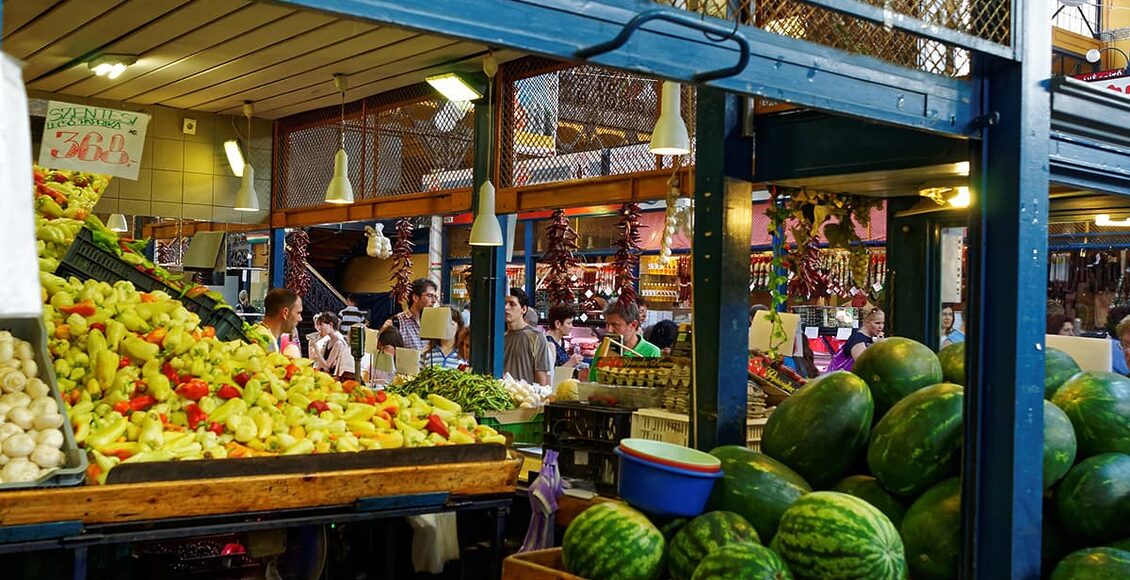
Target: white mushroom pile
527, 395
30, 419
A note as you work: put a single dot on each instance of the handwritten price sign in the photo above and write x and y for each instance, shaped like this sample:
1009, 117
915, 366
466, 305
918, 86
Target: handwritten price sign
93, 139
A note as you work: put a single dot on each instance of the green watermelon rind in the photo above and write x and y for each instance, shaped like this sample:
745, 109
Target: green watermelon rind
614, 542
952, 359
1098, 404
1093, 500
836, 536
896, 367
703, 535
931, 532
1058, 368
1060, 447
918, 442
1094, 564
868, 489
821, 429
756, 487
744, 561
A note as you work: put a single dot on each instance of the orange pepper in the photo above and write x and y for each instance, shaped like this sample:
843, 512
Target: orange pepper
157, 335
84, 308
148, 297
93, 471
63, 332
209, 332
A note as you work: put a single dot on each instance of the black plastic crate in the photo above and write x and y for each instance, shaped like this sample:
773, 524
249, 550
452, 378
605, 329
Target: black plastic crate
597, 464
572, 424
86, 261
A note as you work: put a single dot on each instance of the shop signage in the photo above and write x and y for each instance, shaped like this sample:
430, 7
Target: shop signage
93, 139
1117, 80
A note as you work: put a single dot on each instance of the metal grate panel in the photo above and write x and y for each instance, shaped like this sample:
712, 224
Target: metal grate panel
986, 19
560, 122
401, 142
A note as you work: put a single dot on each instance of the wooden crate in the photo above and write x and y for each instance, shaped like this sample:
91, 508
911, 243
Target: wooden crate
538, 565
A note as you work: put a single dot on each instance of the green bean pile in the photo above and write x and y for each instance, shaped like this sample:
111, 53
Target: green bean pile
475, 393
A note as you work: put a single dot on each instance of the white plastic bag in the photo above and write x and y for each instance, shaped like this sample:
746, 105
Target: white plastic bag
435, 541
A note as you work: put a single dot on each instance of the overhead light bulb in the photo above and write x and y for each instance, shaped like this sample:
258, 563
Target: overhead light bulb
670, 135
454, 87
962, 198
235, 157
245, 198
117, 223
340, 190
486, 231
111, 65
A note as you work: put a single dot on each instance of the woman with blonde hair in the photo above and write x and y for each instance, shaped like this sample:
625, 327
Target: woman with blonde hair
870, 330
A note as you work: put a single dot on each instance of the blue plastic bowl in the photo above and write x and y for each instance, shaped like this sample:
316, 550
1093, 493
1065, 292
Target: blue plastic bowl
663, 490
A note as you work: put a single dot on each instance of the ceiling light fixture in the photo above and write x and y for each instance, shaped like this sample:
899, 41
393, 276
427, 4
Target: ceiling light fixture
485, 230
1095, 54
670, 134
111, 66
117, 223
235, 157
454, 86
245, 198
958, 196
340, 191
1104, 220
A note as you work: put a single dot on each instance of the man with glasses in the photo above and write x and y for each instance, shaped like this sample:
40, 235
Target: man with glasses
424, 294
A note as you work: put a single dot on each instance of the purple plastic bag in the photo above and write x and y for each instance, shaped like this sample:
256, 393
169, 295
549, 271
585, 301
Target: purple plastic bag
543, 503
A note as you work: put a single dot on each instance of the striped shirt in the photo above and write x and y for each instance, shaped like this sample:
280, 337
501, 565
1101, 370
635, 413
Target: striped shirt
352, 315
409, 330
436, 358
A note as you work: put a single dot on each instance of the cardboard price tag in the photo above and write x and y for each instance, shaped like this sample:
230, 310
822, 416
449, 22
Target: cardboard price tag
93, 139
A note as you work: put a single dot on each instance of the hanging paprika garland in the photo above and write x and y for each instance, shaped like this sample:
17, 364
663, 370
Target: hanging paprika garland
402, 260
296, 276
627, 256
560, 257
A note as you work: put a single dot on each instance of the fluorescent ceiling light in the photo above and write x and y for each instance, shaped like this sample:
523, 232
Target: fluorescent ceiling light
235, 157
1104, 220
111, 66
454, 87
962, 198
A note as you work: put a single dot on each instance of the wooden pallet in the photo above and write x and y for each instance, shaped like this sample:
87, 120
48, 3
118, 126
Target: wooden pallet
232, 495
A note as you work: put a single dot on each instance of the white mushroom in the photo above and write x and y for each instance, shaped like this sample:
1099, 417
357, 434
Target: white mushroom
19, 445
45, 456
50, 438
19, 470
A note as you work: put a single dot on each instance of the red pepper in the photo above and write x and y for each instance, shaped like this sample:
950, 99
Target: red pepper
242, 378
227, 392
142, 402
98, 326
170, 373
391, 410
59, 178
123, 362
196, 415
381, 396
217, 428
193, 390
318, 406
435, 425
290, 370
230, 549
84, 308
122, 407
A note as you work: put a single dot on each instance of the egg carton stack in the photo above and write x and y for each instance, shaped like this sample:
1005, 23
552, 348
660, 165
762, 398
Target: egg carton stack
757, 401
677, 398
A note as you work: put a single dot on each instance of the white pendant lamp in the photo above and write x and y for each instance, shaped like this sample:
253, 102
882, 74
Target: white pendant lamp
670, 135
340, 190
486, 231
246, 199
117, 223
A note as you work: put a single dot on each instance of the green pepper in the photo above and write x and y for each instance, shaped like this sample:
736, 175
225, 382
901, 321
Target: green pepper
252, 390
177, 341
107, 434
263, 424
52, 283
132, 259
152, 430
105, 366
159, 387
147, 456
300, 447
228, 409
132, 321
115, 332
139, 350
82, 422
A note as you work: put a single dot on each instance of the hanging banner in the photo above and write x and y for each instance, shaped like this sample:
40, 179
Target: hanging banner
93, 139
1117, 80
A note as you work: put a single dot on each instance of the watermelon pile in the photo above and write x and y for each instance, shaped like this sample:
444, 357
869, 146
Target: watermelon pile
858, 478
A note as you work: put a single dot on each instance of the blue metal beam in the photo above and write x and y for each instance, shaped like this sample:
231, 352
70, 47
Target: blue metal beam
278, 257
530, 260
1090, 147
1003, 484
779, 68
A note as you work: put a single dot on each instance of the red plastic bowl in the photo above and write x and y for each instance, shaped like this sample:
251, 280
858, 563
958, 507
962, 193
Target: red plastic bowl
668, 462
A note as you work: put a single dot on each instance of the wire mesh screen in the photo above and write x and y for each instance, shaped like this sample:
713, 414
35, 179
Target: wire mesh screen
401, 142
561, 122
987, 19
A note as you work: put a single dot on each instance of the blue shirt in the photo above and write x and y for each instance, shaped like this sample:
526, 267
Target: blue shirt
953, 338
562, 354
1118, 358
435, 358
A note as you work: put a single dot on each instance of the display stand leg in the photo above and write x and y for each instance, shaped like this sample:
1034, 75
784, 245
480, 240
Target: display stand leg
80, 561
496, 546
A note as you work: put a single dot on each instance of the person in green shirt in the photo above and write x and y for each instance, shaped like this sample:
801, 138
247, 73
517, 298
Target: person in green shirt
624, 319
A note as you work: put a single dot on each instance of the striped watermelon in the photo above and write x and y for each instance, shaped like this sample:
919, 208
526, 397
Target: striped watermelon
828, 535
867, 488
896, 367
756, 487
1055, 541
952, 358
1093, 501
931, 532
742, 561
918, 442
1058, 367
1098, 404
1059, 444
1123, 544
703, 535
822, 428
614, 542
1094, 564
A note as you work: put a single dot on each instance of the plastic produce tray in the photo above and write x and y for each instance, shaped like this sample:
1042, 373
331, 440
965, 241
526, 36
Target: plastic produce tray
573, 423
659, 425
528, 432
598, 464
74, 469
86, 261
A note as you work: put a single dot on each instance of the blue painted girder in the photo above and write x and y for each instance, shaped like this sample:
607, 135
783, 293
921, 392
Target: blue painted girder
779, 68
1090, 145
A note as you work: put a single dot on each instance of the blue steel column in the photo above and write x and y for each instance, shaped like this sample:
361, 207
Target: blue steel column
530, 262
488, 264
278, 257
1008, 242
779, 241
721, 270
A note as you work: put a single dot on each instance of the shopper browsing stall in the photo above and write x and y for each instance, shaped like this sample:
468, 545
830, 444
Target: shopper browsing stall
561, 326
624, 319
868, 332
424, 293
352, 316
525, 351
329, 349
950, 333
283, 312
443, 352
